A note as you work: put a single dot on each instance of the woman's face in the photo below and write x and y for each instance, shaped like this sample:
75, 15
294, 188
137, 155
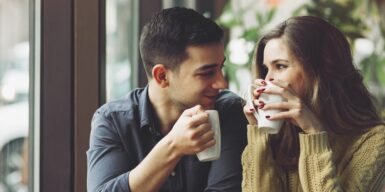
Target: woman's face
282, 65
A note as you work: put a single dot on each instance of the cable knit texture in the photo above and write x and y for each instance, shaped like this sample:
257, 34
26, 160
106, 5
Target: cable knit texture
326, 163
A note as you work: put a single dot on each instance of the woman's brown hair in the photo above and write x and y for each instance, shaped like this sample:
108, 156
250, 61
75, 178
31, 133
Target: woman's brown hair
335, 92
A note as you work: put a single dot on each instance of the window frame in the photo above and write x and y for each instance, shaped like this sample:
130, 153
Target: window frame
68, 84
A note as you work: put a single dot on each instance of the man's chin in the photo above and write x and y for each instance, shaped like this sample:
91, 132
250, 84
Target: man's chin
208, 105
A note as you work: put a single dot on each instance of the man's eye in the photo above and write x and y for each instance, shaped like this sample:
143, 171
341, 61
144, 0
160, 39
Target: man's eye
208, 73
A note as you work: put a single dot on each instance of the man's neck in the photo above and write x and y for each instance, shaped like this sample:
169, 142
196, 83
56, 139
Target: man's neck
165, 110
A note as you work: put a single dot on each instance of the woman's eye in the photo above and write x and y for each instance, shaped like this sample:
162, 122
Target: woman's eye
280, 66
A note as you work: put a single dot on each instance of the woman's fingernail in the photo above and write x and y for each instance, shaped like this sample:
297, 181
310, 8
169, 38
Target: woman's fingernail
263, 82
267, 116
271, 79
260, 90
251, 109
261, 104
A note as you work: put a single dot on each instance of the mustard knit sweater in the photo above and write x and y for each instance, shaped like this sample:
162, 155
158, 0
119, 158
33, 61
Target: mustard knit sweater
326, 163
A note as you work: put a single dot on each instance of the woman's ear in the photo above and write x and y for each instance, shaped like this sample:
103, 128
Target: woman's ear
159, 74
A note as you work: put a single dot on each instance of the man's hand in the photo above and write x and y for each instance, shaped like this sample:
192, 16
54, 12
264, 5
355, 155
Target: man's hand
192, 132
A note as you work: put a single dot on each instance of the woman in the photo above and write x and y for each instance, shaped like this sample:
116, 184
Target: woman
332, 138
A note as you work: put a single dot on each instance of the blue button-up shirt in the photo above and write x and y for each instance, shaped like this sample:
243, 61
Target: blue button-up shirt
124, 132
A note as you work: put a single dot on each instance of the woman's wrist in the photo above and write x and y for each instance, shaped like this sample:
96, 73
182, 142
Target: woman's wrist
313, 131
314, 143
313, 128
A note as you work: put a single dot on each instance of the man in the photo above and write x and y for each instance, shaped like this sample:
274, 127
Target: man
148, 141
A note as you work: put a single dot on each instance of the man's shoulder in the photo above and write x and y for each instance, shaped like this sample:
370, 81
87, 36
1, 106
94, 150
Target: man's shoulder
125, 104
228, 98
233, 121
229, 104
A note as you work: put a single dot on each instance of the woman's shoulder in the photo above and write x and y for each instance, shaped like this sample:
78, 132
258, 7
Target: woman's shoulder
375, 136
366, 158
378, 129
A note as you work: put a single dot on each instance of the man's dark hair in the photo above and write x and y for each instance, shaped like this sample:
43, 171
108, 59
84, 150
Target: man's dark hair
165, 37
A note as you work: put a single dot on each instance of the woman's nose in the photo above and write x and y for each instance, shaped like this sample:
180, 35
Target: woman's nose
269, 76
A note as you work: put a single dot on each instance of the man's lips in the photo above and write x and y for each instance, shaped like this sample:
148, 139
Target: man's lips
212, 96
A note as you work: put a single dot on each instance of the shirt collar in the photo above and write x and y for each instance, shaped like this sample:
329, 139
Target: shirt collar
146, 110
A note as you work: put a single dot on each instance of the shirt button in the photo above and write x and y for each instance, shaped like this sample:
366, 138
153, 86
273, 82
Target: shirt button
173, 173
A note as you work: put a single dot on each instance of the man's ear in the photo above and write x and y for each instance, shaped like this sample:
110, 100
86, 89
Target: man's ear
159, 74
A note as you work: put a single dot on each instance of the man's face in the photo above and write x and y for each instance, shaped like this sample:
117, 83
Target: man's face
199, 78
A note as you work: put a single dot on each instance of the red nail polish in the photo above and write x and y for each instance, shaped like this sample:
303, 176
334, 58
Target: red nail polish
261, 106
260, 90
251, 109
261, 102
267, 116
263, 82
271, 79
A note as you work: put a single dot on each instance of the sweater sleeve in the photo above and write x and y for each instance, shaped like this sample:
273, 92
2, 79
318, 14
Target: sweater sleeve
259, 171
316, 169
363, 171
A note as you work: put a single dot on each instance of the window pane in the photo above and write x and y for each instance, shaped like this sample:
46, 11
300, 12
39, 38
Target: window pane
14, 86
122, 49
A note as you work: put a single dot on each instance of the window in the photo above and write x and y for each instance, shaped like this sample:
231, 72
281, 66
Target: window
121, 47
14, 91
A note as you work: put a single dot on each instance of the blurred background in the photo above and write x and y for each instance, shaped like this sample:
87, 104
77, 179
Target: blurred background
362, 21
59, 61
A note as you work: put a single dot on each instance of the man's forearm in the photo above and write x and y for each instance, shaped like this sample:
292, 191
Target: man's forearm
152, 172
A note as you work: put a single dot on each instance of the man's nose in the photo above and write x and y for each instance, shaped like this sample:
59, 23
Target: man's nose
220, 82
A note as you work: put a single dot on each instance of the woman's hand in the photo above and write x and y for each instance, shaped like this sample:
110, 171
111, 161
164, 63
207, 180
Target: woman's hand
249, 115
249, 110
294, 109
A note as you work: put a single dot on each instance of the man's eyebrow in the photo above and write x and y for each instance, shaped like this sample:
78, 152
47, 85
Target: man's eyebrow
206, 67
209, 66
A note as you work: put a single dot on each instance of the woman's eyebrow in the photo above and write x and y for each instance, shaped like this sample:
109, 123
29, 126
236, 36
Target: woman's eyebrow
276, 61
280, 60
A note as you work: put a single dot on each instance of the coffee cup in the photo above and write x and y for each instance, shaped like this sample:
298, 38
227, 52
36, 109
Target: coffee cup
266, 125
213, 152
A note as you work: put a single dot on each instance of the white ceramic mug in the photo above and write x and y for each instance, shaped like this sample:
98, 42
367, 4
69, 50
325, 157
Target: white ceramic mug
264, 124
213, 152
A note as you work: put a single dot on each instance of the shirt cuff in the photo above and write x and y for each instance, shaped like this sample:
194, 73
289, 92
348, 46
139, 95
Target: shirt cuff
314, 143
254, 135
122, 183
126, 175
